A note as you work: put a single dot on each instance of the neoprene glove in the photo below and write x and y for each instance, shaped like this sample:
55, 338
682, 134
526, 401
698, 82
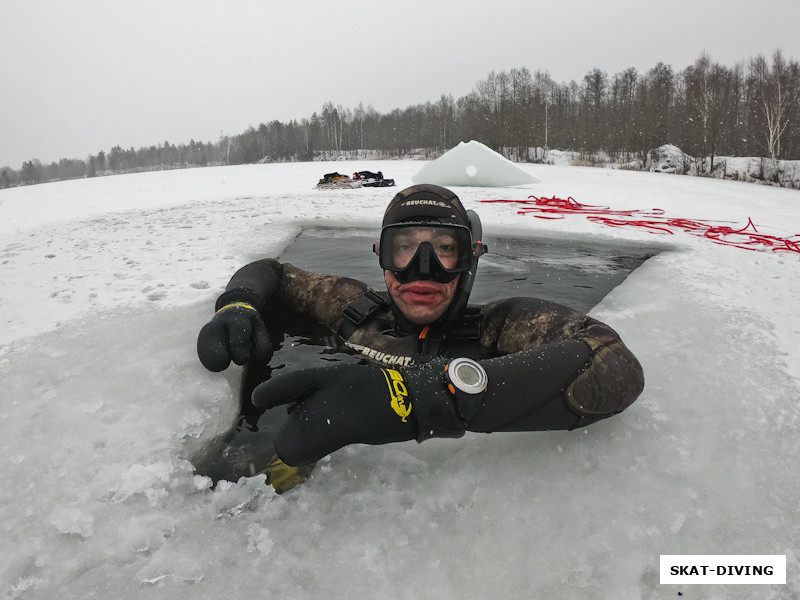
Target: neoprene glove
237, 333
332, 407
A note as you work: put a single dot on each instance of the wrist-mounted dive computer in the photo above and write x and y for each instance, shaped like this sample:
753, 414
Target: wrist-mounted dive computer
466, 380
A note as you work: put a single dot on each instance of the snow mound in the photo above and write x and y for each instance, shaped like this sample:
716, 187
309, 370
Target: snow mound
473, 164
668, 159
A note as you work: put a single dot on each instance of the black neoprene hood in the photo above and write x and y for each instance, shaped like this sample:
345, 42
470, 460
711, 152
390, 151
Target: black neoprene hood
426, 201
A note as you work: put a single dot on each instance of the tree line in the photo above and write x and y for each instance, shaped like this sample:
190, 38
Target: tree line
707, 109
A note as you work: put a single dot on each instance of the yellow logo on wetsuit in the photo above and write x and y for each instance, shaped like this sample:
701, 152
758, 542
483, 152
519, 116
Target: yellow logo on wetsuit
398, 392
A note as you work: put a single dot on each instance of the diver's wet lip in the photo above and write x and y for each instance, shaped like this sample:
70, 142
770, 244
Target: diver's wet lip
419, 287
419, 293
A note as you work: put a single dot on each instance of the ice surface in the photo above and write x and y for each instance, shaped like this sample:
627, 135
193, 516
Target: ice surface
473, 164
106, 283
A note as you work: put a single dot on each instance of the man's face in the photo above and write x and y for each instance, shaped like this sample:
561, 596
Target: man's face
423, 301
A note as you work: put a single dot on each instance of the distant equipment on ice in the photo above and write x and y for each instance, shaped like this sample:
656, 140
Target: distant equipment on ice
333, 181
473, 164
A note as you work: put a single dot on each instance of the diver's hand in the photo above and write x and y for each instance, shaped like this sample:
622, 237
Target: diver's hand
331, 407
237, 333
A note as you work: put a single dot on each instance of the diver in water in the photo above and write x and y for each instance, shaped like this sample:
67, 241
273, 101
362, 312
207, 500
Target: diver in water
433, 365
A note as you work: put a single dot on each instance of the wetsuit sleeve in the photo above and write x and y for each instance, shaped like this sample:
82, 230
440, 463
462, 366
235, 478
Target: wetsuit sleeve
319, 297
556, 369
254, 283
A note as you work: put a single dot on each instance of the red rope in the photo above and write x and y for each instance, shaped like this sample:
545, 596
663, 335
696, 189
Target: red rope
747, 237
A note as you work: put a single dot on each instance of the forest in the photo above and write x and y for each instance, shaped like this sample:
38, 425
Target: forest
707, 109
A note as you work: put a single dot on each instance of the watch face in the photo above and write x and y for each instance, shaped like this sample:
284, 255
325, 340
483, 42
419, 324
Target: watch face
468, 376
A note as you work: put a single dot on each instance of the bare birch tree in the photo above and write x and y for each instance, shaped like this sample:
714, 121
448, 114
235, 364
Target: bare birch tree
775, 104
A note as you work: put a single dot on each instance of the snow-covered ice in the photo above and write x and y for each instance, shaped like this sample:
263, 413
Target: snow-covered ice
105, 283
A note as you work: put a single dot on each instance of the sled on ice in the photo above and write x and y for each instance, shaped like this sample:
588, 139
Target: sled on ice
336, 181
370, 179
333, 181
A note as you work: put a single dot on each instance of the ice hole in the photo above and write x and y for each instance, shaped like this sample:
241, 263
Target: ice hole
577, 274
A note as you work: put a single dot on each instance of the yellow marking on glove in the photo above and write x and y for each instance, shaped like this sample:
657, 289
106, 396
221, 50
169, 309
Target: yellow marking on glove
232, 304
282, 477
398, 392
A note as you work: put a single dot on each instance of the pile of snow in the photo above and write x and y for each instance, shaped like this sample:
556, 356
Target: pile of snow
668, 159
106, 283
473, 164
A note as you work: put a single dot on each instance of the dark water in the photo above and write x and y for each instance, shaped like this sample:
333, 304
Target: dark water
576, 274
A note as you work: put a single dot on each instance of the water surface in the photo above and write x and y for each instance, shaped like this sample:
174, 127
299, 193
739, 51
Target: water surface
577, 274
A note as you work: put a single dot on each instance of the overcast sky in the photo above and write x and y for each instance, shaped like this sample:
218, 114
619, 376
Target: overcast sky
83, 76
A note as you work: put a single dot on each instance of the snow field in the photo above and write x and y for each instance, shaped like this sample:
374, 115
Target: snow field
106, 283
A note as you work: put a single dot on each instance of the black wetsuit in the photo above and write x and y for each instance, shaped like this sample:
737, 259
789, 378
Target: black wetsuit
549, 366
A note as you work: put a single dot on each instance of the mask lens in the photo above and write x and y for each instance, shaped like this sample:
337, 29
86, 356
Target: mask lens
404, 246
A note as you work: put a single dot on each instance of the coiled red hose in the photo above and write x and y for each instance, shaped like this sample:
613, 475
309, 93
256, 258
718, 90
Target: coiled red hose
747, 237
